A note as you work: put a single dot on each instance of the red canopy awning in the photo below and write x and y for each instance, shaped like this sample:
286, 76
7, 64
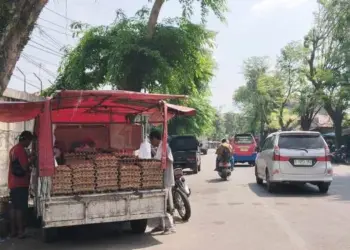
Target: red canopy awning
20, 111
96, 106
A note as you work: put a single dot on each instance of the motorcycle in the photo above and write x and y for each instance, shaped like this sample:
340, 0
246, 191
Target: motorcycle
224, 170
340, 156
181, 193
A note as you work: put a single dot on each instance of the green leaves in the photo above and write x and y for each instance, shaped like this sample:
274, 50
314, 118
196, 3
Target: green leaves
177, 60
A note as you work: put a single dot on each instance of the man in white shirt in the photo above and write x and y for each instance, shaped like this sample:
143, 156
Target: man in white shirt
167, 223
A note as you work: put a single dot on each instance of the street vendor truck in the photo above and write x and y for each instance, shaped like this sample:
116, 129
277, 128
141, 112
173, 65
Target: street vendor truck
91, 107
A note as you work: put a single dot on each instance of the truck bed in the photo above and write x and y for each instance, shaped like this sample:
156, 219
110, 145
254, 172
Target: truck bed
62, 211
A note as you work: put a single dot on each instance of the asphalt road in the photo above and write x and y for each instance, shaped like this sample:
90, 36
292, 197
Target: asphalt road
237, 214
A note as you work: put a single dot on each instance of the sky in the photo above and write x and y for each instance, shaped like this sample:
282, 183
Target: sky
253, 28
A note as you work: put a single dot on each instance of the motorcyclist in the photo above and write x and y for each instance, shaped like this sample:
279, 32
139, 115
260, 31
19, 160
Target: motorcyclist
224, 153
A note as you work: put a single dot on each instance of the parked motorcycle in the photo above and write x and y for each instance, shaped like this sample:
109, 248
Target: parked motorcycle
224, 170
181, 193
340, 156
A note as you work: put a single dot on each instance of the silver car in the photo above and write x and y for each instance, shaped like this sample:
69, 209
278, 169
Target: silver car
294, 157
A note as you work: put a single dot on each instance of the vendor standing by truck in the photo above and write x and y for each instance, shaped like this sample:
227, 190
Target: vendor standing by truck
166, 224
18, 183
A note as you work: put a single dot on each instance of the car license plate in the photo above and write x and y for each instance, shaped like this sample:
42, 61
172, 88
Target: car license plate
243, 149
303, 162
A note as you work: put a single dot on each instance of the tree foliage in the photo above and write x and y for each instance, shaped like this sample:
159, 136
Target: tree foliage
177, 60
328, 45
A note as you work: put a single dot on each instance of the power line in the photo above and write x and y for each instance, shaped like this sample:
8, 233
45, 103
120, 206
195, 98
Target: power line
41, 31
54, 30
47, 41
48, 48
55, 24
49, 52
58, 14
40, 59
49, 72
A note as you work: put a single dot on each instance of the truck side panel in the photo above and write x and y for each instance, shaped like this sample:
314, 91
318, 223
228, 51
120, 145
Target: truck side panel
103, 208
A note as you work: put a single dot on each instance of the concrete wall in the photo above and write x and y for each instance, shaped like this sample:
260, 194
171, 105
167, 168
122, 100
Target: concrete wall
9, 133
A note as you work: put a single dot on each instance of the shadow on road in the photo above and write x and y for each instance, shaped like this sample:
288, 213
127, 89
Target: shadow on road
340, 188
87, 237
215, 180
285, 190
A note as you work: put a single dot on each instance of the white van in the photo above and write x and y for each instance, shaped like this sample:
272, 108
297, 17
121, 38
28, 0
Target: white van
294, 157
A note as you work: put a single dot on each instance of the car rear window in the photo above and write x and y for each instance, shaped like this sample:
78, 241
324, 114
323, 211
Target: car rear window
295, 141
183, 143
243, 139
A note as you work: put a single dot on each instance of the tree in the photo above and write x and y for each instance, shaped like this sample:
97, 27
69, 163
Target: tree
249, 97
289, 68
328, 45
177, 60
17, 19
219, 7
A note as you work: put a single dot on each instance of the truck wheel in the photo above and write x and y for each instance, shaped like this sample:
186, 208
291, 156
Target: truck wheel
49, 235
205, 152
138, 226
195, 170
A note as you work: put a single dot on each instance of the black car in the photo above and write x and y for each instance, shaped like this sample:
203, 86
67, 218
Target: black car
186, 152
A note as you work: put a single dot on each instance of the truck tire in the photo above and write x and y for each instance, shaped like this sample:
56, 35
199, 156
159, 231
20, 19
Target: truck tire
138, 226
49, 235
195, 170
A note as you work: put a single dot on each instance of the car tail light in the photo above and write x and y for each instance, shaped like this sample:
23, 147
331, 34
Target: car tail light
277, 156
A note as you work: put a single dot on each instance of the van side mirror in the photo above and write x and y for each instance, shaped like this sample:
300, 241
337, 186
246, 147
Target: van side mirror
200, 144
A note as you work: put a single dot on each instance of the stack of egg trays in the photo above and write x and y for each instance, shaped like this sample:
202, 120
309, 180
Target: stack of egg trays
62, 181
129, 174
84, 177
106, 173
152, 174
74, 158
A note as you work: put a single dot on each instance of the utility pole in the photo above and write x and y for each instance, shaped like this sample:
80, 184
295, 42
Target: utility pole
25, 91
24, 79
41, 83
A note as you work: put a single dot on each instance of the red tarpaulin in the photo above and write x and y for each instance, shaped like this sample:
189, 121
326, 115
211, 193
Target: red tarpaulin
92, 106
20, 111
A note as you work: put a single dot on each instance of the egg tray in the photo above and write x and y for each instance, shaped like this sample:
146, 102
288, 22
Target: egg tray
83, 175
149, 163
105, 171
61, 192
126, 167
81, 181
152, 178
104, 157
107, 189
82, 164
129, 187
107, 164
152, 184
90, 188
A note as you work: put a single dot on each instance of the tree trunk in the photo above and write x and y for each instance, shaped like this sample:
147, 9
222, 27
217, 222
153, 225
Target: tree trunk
337, 121
17, 21
153, 18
